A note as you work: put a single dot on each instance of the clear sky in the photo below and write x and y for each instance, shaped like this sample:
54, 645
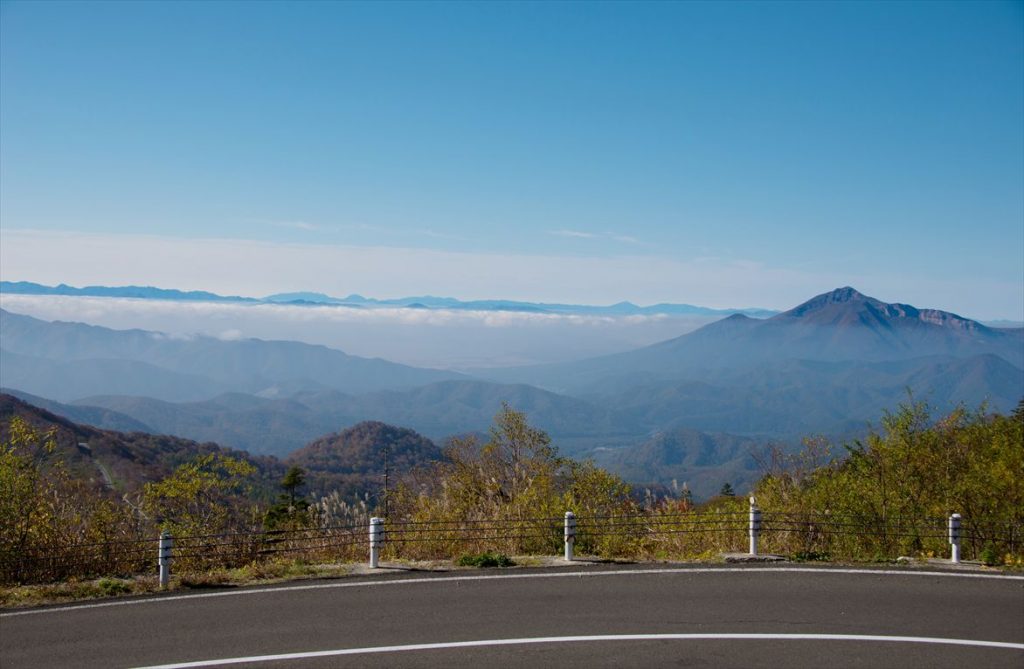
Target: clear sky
725, 154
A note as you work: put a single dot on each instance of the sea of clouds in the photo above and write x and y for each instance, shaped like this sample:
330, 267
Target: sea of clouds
443, 338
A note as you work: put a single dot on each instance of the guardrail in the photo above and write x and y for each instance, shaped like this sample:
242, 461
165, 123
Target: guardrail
663, 535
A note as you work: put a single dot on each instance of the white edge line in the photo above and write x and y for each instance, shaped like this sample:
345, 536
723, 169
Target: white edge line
498, 577
582, 639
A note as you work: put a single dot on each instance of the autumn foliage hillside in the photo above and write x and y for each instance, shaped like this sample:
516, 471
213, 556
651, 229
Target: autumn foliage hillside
353, 461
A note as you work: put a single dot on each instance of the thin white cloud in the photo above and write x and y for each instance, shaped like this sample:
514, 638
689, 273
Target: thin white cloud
74, 307
307, 226
576, 234
297, 225
433, 234
579, 234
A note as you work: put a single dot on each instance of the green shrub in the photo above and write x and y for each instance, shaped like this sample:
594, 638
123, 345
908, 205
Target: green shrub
113, 586
990, 556
486, 560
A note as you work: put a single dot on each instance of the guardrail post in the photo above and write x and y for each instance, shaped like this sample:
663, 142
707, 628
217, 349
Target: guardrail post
376, 539
164, 558
755, 526
570, 534
954, 537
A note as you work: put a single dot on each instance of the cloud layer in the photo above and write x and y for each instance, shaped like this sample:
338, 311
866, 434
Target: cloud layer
429, 338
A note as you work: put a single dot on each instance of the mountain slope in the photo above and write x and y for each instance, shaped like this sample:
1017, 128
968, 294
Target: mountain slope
278, 426
350, 462
72, 360
68, 380
680, 456
258, 425
130, 459
793, 398
98, 417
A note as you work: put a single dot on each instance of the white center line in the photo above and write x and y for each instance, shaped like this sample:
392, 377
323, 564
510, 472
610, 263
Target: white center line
586, 639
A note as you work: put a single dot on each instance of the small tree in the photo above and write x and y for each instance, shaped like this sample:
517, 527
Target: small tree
26, 516
203, 496
289, 509
293, 479
727, 490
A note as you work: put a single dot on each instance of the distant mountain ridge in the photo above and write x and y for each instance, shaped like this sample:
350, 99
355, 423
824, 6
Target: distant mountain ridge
141, 292
358, 301
277, 426
841, 325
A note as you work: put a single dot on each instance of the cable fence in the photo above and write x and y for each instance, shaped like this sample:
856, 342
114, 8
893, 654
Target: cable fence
661, 536
442, 539
78, 560
346, 543
655, 534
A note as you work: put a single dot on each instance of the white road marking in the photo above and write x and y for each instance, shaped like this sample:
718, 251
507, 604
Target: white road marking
586, 639
499, 577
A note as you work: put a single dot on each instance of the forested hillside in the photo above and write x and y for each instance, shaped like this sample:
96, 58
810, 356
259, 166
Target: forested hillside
351, 463
354, 462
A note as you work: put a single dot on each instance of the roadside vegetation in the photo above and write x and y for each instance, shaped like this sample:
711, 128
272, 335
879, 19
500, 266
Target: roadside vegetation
506, 495
899, 487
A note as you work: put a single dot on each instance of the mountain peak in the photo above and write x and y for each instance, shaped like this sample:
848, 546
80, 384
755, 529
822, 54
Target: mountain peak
844, 294
846, 306
840, 296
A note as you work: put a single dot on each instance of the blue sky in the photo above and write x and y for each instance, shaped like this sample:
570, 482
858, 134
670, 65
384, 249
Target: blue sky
727, 154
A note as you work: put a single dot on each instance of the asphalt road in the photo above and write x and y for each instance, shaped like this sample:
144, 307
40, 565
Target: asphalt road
686, 606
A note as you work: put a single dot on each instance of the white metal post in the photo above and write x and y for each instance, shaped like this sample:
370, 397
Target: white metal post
164, 558
570, 534
954, 537
376, 538
755, 526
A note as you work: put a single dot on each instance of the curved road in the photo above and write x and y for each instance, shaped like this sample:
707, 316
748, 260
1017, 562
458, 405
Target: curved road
603, 616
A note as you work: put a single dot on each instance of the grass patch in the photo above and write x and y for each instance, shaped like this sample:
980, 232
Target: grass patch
260, 572
74, 590
485, 560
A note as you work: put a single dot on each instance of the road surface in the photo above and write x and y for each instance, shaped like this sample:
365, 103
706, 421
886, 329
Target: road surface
597, 616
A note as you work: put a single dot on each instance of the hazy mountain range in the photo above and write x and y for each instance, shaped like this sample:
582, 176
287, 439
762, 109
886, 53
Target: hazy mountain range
690, 408
358, 301
67, 361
